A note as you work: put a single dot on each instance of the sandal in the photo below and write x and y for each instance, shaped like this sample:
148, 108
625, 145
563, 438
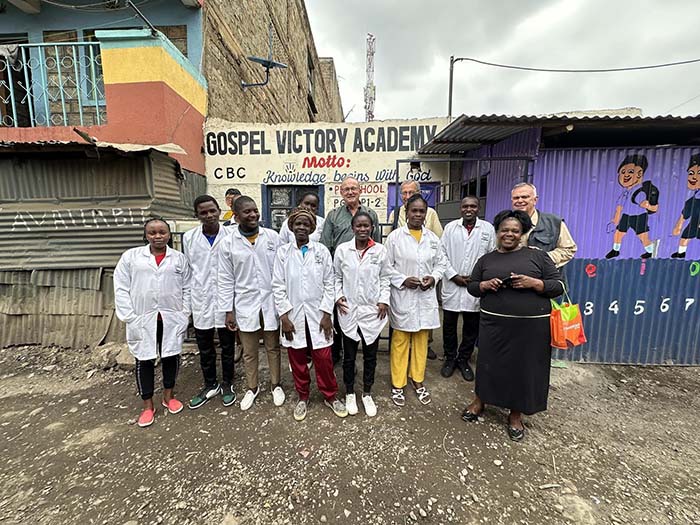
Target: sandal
397, 397
471, 417
516, 434
423, 395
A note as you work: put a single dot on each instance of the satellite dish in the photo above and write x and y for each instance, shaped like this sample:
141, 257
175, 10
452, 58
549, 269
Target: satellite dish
267, 63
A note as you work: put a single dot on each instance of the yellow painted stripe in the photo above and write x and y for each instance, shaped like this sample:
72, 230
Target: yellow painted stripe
152, 64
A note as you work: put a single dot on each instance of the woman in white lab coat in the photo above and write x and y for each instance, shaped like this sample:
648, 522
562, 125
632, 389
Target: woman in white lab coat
310, 201
303, 287
362, 290
152, 296
417, 264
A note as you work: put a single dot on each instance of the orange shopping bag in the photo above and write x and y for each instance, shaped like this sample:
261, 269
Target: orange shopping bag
566, 324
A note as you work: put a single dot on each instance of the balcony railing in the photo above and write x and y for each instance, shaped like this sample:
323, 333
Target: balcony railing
57, 84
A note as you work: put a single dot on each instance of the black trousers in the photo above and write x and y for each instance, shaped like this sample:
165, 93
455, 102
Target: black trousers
470, 333
337, 348
146, 370
207, 354
369, 357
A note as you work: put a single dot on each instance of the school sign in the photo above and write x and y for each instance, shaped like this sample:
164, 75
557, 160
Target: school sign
275, 163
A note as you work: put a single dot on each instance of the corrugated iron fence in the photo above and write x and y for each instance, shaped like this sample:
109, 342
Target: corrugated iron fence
637, 312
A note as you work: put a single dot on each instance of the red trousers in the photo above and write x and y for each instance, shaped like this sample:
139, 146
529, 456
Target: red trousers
323, 364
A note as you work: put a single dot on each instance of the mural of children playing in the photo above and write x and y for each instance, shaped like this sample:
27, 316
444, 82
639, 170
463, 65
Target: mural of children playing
691, 210
637, 201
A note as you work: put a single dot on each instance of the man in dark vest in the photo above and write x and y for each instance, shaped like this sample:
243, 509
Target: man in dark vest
549, 232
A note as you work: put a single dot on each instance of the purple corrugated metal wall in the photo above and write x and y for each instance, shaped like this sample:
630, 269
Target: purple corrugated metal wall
504, 174
581, 186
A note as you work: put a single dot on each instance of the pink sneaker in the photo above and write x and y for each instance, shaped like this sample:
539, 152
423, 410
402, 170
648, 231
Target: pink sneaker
146, 418
173, 406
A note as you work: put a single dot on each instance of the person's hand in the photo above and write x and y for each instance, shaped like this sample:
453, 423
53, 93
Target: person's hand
287, 327
412, 283
524, 281
326, 326
383, 309
492, 285
342, 305
427, 282
460, 280
676, 231
231, 322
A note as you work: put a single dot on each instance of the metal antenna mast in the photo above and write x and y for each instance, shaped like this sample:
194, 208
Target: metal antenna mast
370, 90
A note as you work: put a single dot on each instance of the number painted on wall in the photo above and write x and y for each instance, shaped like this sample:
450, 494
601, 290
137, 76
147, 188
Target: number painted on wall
640, 306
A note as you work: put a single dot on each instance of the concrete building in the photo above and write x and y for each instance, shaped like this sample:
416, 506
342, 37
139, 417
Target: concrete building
101, 126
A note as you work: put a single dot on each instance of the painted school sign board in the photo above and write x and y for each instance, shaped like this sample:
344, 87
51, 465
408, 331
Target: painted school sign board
274, 163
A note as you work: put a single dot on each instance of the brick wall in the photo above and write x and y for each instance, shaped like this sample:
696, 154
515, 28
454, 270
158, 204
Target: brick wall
235, 30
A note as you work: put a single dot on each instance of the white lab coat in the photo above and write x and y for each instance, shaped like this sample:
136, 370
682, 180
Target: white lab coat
287, 236
414, 310
304, 288
245, 279
364, 283
461, 251
142, 290
204, 263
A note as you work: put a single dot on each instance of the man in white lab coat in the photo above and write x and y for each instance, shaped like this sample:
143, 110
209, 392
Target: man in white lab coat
463, 242
245, 296
201, 246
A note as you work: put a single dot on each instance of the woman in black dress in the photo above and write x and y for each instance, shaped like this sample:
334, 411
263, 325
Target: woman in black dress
515, 284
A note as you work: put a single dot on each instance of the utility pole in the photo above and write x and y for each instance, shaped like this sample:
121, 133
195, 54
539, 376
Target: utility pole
452, 74
370, 90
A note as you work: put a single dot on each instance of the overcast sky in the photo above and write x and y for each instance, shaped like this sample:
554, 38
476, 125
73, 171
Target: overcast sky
415, 39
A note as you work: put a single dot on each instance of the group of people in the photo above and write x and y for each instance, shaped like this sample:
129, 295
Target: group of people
321, 287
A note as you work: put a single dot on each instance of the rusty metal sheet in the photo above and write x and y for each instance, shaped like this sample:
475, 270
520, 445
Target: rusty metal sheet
15, 277
25, 300
73, 331
87, 279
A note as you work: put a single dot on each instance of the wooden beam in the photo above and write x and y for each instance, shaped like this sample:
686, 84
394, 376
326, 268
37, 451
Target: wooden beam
31, 7
193, 3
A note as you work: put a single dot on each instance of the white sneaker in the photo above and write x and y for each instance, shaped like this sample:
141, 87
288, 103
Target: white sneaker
351, 404
278, 396
370, 407
249, 398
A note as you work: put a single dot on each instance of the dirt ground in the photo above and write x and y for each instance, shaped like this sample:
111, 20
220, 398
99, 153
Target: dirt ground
618, 445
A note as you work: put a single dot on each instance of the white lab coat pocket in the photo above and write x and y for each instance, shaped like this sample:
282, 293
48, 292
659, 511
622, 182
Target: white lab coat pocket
134, 330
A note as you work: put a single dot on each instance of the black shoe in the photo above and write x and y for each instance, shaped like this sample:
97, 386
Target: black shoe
646, 255
678, 255
448, 368
466, 370
431, 355
611, 254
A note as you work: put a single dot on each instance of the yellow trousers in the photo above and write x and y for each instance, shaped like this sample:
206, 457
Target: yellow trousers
403, 344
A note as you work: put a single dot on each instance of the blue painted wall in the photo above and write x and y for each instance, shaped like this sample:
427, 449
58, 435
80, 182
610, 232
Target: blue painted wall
159, 12
636, 312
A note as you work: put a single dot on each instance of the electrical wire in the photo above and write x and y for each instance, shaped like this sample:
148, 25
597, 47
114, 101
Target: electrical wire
92, 27
100, 7
73, 31
555, 70
684, 103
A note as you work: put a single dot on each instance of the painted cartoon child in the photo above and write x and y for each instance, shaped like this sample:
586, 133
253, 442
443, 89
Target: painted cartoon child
638, 199
691, 210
